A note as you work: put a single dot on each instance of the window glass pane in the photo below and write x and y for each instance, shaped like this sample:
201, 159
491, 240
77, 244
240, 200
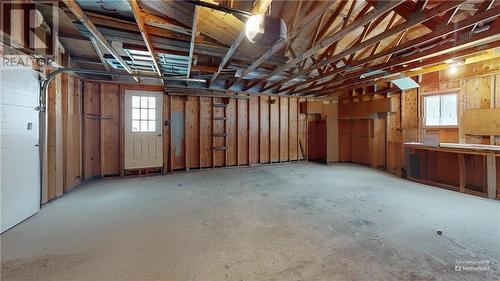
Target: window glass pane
432, 110
144, 126
135, 113
151, 126
135, 126
144, 102
151, 115
135, 101
151, 102
449, 110
144, 114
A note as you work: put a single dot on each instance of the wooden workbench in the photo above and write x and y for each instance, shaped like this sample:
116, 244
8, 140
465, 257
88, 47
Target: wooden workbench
469, 168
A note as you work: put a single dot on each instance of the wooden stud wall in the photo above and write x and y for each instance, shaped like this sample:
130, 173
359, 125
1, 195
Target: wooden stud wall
258, 130
63, 133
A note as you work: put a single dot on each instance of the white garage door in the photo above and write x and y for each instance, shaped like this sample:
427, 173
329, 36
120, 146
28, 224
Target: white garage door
19, 150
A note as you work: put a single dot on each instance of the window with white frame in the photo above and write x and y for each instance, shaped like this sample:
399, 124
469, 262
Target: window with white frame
143, 114
441, 110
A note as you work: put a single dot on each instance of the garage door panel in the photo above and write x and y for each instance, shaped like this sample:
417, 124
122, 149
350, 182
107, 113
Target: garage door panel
19, 150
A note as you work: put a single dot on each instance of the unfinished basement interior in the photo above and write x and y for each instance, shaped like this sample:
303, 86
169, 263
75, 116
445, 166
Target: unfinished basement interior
146, 140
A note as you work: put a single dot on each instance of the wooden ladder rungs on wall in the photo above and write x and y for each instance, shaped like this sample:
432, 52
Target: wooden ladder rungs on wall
219, 148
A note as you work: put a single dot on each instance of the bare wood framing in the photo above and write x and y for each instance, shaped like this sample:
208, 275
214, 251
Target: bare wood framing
142, 28
193, 35
82, 17
334, 37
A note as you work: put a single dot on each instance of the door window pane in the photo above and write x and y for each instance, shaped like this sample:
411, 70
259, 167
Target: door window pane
151, 115
144, 102
135, 126
135, 113
151, 102
136, 101
143, 114
151, 126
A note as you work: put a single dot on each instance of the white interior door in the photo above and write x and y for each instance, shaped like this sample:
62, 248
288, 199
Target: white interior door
143, 129
19, 148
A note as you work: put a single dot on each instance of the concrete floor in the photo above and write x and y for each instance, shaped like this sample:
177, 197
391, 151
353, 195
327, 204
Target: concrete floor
299, 221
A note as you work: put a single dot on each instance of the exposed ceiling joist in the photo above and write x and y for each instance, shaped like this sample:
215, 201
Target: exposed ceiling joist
193, 35
140, 23
429, 14
438, 54
98, 50
308, 20
335, 36
260, 6
459, 26
82, 17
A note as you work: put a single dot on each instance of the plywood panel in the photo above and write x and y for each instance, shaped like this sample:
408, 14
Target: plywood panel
206, 132
242, 131
365, 109
264, 129
478, 93
293, 141
481, 121
192, 132
475, 176
409, 115
254, 123
378, 149
91, 140
394, 138
345, 143
232, 133
178, 133
110, 129
284, 152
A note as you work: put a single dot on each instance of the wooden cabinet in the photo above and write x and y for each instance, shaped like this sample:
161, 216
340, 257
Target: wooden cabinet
317, 141
459, 169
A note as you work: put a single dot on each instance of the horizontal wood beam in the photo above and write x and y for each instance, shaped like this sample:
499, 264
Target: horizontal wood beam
461, 25
260, 6
308, 20
429, 14
140, 24
406, 70
191, 44
332, 37
82, 17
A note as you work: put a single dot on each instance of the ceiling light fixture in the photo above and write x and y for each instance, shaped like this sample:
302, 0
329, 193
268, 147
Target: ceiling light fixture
265, 30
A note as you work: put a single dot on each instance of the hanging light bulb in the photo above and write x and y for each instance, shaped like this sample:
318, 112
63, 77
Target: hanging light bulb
254, 26
265, 30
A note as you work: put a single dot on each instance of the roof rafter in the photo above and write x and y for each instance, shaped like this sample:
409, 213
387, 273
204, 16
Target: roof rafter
82, 17
429, 14
140, 23
260, 6
435, 55
193, 36
309, 19
101, 55
335, 36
